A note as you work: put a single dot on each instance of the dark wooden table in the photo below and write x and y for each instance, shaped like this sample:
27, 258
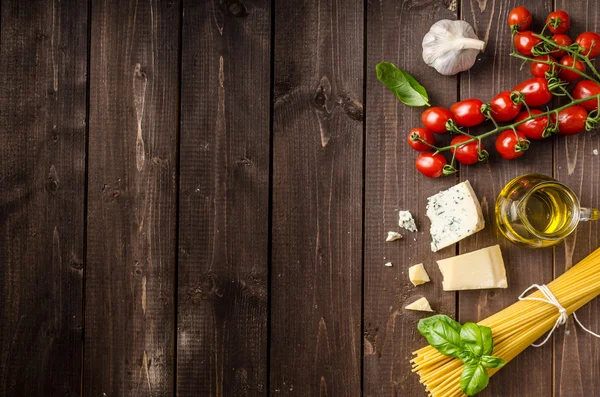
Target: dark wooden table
194, 197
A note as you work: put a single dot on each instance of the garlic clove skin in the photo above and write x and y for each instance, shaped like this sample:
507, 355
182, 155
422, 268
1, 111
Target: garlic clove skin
451, 47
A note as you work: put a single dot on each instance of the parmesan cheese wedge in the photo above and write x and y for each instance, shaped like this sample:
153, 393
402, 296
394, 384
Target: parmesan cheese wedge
418, 275
421, 305
479, 269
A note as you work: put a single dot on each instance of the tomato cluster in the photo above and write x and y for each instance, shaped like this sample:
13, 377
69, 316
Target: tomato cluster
552, 69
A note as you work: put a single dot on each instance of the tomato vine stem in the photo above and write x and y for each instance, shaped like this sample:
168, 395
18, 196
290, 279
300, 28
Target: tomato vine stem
514, 125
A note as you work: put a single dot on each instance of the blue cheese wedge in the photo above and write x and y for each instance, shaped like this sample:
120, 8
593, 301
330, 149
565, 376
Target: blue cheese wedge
421, 305
454, 214
479, 269
406, 221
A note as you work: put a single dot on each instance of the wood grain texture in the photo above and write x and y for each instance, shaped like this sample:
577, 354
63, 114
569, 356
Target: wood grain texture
576, 353
496, 71
42, 180
130, 311
317, 199
224, 199
395, 31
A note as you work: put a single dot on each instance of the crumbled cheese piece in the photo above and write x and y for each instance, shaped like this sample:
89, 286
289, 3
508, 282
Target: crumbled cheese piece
393, 236
418, 275
455, 214
421, 305
406, 221
479, 269
595, 152
389, 264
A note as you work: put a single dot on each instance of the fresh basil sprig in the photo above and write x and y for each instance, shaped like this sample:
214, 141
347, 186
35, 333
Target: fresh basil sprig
407, 89
471, 343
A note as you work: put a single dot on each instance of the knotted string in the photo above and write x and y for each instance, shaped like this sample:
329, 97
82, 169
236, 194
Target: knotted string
551, 299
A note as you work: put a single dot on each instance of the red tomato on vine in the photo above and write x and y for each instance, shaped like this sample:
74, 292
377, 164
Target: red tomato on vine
519, 19
571, 121
467, 153
536, 91
431, 165
511, 144
525, 41
539, 69
534, 128
424, 135
590, 42
558, 21
503, 108
435, 119
586, 89
467, 113
567, 74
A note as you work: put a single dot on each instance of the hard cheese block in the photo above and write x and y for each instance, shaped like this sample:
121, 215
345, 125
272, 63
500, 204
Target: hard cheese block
455, 214
418, 275
421, 305
479, 269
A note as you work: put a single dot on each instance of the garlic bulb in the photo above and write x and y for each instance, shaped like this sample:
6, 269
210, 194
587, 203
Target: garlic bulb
451, 46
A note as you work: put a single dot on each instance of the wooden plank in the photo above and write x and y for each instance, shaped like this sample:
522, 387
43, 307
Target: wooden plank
224, 199
42, 181
395, 32
317, 199
495, 72
576, 353
132, 194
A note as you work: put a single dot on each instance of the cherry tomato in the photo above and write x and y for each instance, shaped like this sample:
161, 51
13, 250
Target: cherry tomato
562, 40
503, 108
467, 113
569, 75
525, 41
558, 21
539, 69
467, 153
519, 19
506, 144
435, 119
534, 128
589, 41
431, 165
571, 121
425, 135
536, 91
586, 89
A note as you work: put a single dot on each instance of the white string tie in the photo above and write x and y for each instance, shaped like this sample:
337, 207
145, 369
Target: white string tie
551, 299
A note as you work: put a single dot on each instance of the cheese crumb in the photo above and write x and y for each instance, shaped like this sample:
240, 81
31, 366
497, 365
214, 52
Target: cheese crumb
421, 305
389, 264
393, 236
406, 221
595, 152
418, 275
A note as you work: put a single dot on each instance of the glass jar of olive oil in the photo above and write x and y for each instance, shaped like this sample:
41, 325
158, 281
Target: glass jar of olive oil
536, 211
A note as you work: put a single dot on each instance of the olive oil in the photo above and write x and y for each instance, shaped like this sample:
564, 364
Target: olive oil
548, 210
535, 211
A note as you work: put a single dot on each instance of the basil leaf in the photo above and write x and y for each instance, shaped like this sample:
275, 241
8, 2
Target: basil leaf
492, 362
488, 341
445, 339
468, 358
474, 379
425, 324
403, 85
472, 339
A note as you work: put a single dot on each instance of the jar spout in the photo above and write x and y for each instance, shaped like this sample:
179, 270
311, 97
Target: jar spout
589, 214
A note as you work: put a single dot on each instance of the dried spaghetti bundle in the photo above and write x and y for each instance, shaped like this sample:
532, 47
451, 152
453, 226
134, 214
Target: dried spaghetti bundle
514, 328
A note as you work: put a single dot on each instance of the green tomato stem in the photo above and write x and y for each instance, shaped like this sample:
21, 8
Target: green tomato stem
555, 64
585, 58
514, 125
